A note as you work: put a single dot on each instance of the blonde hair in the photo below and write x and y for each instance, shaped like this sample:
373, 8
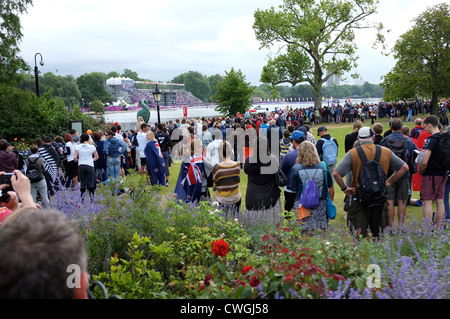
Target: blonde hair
356, 126
307, 154
140, 121
150, 135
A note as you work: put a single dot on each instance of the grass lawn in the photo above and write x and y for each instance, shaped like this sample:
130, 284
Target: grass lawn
338, 131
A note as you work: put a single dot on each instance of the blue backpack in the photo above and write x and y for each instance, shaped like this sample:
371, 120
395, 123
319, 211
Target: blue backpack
329, 151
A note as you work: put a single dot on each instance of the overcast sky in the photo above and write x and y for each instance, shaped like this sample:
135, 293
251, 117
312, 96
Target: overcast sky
162, 39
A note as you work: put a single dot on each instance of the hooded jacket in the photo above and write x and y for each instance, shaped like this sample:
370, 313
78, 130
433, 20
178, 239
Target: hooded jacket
113, 147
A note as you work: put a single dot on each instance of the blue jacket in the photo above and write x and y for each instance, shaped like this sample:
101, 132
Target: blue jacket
114, 147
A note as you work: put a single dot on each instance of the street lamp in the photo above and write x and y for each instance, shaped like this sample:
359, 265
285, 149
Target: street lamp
36, 72
157, 97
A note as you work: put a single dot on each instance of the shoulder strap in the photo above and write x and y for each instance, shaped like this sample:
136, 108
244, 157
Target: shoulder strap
377, 153
361, 154
325, 173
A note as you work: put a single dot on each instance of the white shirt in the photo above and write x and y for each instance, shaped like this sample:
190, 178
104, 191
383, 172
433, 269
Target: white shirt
142, 141
71, 146
212, 152
85, 154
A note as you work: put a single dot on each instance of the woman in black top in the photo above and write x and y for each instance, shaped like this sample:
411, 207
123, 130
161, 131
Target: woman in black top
262, 200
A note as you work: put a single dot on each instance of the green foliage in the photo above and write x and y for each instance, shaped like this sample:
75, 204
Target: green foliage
134, 277
316, 40
10, 36
196, 83
422, 59
24, 115
97, 106
92, 87
233, 93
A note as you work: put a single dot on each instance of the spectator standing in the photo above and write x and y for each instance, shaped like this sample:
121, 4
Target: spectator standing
434, 179
263, 194
226, 179
8, 160
361, 218
155, 160
71, 165
164, 144
398, 192
142, 142
286, 165
52, 163
308, 166
113, 149
40, 184
101, 171
74, 134
327, 151
85, 155
415, 132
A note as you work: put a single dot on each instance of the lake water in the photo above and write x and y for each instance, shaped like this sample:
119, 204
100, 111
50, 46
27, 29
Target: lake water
128, 119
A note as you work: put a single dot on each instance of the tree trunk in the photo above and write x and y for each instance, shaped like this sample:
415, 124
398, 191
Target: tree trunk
318, 97
434, 104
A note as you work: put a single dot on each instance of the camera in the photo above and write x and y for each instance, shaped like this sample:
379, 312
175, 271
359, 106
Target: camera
5, 179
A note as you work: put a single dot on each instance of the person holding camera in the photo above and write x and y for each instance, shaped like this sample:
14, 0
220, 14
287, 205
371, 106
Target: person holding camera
14, 186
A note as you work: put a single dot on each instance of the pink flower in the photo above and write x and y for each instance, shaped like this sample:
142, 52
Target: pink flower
288, 277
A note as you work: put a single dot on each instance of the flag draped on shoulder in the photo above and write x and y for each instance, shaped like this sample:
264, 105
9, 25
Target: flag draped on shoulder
155, 163
189, 184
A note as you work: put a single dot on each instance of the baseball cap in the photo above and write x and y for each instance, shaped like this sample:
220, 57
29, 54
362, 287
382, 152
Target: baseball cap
297, 135
365, 132
321, 129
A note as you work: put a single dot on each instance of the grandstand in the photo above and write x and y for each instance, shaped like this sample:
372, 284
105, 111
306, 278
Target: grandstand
124, 89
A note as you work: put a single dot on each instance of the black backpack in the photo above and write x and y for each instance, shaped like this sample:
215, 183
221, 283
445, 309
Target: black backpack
33, 172
442, 156
398, 147
372, 189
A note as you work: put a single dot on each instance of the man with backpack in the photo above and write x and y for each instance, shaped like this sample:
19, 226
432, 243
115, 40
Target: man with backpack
35, 173
327, 148
403, 147
433, 167
369, 165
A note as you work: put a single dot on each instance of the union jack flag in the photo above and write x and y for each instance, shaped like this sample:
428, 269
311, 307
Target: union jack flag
194, 174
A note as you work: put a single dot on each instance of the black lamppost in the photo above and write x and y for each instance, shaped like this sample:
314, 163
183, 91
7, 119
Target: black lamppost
36, 72
157, 97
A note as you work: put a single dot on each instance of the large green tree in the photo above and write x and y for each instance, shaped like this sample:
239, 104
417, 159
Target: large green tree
233, 93
422, 57
196, 83
92, 87
316, 39
10, 35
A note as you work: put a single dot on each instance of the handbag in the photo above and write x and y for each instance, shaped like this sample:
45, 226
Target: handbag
281, 178
331, 207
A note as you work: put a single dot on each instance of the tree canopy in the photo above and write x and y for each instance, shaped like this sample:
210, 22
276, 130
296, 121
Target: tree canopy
316, 39
422, 57
10, 36
233, 93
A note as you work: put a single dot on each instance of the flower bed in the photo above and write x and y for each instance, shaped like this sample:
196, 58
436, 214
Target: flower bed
142, 246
